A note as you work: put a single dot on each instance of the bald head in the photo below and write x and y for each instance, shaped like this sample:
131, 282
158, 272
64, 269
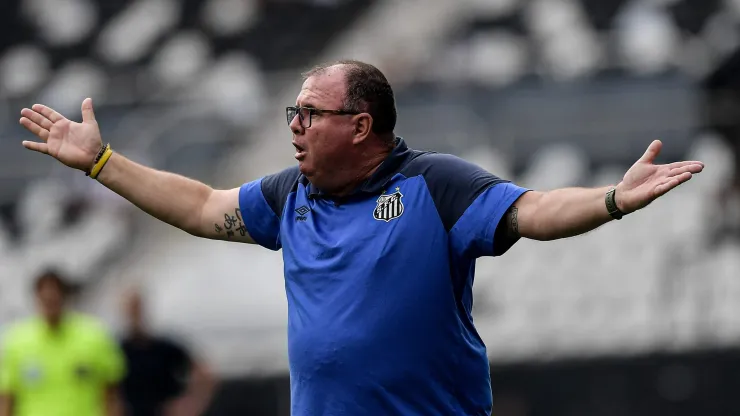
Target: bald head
333, 69
366, 90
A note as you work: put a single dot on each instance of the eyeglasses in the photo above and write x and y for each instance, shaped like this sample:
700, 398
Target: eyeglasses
305, 114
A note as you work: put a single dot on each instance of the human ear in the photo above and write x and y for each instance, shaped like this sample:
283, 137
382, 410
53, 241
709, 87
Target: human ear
363, 127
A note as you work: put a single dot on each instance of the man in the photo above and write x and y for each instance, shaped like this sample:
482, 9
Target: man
60, 364
162, 378
721, 90
379, 241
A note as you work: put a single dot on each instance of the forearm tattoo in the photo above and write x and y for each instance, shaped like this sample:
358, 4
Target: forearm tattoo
512, 222
232, 224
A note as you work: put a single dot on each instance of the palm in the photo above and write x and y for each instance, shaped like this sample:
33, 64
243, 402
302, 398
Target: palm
646, 181
74, 144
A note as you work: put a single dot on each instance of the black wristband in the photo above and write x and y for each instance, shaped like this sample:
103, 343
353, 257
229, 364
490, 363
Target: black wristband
611, 205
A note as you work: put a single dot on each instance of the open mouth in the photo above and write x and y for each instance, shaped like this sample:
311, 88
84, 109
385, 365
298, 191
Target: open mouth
300, 152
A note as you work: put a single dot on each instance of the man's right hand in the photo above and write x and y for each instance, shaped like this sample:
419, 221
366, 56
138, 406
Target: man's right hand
187, 204
74, 144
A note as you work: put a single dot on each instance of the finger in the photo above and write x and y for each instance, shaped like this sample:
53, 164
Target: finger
47, 112
663, 189
684, 177
671, 183
652, 151
688, 168
684, 163
37, 118
87, 110
36, 146
34, 128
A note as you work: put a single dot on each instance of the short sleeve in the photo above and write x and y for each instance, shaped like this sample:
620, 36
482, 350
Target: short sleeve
470, 201
8, 369
261, 204
110, 359
475, 231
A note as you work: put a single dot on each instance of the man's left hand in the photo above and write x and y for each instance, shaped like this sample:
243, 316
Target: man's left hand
646, 181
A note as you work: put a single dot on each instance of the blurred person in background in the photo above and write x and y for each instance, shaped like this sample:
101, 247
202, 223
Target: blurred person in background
722, 97
163, 378
379, 241
60, 363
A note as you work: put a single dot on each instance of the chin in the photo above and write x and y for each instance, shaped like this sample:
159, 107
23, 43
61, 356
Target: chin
306, 169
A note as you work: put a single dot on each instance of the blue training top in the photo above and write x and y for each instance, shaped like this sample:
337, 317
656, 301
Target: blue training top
379, 284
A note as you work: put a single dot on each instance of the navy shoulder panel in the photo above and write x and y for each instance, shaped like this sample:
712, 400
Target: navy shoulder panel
454, 183
278, 186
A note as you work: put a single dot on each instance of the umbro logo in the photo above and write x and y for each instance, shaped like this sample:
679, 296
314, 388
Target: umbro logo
302, 211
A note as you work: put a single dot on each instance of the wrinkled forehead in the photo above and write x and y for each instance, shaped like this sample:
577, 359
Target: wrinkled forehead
324, 90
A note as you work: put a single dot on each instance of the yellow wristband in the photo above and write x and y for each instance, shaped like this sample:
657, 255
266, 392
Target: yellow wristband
99, 166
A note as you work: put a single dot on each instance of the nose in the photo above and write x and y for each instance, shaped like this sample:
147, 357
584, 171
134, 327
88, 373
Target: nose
295, 125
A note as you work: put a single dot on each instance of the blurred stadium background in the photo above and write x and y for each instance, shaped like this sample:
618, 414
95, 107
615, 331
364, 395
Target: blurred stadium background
641, 317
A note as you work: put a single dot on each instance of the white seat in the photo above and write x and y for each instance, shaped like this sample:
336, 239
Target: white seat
61, 22
233, 85
555, 166
180, 59
72, 83
229, 17
496, 58
132, 33
22, 69
646, 37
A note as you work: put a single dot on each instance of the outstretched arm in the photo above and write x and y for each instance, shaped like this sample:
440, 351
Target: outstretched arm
556, 214
184, 203
572, 211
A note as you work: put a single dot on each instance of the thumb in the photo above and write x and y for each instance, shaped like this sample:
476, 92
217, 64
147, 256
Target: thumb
87, 111
652, 152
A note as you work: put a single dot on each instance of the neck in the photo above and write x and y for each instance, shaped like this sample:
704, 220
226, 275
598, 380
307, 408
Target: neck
362, 173
54, 322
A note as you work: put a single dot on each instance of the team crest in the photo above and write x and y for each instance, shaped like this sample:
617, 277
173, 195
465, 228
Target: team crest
389, 206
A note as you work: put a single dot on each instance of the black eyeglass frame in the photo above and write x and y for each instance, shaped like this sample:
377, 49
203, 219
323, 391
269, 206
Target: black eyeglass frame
292, 112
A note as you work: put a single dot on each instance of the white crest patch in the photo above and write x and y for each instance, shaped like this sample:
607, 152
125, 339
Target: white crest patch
389, 206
